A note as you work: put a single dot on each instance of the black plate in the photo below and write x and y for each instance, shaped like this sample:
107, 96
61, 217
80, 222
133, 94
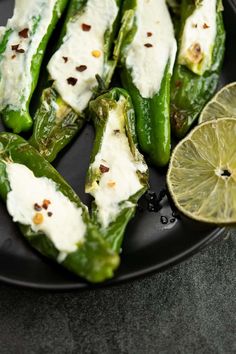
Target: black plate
149, 244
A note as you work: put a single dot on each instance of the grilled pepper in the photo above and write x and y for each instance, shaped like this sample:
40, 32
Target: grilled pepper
147, 58
117, 175
22, 47
197, 69
50, 215
84, 52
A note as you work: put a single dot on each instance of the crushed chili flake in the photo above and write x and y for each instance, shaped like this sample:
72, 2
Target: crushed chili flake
104, 169
116, 131
46, 204
14, 56
20, 50
149, 34
37, 207
81, 68
24, 33
72, 81
86, 27
38, 219
205, 26
65, 59
148, 45
96, 53
50, 214
194, 25
15, 47
111, 184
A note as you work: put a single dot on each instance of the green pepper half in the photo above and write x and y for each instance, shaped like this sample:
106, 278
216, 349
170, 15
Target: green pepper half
56, 123
93, 258
190, 91
16, 45
109, 175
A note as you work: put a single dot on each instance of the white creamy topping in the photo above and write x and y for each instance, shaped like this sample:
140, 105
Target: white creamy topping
64, 227
198, 38
15, 67
78, 48
121, 181
153, 45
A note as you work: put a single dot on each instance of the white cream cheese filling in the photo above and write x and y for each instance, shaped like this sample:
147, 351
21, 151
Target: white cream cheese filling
120, 181
198, 38
81, 56
60, 219
152, 47
15, 64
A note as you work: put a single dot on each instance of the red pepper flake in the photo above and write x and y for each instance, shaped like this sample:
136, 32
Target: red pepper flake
85, 27
15, 47
14, 56
20, 51
81, 68
116, 131
46, 204
148, 45
72, 81
50, 214
149, 34
194, 25
205, 26
24, 33
104, 169
65, 59
37, 207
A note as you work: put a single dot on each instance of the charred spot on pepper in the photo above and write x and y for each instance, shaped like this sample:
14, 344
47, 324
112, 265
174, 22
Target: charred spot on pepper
24, 33
37, 207
116, 131
50, 214
65, 59
195, 54
15, 46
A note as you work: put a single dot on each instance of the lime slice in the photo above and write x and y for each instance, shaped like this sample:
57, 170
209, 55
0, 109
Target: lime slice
202, 173
222, 105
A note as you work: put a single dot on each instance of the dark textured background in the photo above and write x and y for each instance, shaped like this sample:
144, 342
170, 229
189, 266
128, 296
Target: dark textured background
190, 308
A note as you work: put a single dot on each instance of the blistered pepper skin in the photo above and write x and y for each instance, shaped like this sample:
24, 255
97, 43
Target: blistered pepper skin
189, 91
20, 120
93, 259
50, 134
99, 110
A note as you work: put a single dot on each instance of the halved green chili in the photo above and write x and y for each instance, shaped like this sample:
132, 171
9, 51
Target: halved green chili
57, 121
92, 257
152, 111
190, 91
22, 48
118, 175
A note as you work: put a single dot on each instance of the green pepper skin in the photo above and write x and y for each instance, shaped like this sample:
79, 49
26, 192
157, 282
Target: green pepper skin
93, 260
51, 135
20, 121
99, 110
189, 91
152, 114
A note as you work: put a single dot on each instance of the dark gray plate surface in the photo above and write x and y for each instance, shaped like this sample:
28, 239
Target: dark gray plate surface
149, 244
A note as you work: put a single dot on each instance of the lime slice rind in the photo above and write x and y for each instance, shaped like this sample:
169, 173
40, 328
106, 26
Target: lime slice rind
222, 105
206, 189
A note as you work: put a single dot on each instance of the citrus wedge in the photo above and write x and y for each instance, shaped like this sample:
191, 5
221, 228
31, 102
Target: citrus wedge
222, 105
202, 173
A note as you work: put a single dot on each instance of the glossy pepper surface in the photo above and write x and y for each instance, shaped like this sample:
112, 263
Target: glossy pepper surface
93, 259
101, 112
56, 123
190, 91
152, 114
17, 116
